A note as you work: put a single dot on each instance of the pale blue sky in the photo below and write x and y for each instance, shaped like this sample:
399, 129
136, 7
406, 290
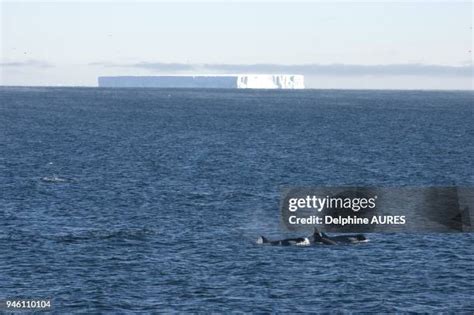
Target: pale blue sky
73, 43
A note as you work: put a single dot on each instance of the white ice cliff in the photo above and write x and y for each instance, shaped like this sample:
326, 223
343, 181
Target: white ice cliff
237, 81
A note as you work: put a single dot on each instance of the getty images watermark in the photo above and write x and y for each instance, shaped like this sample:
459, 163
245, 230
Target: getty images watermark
354, 204
373, 209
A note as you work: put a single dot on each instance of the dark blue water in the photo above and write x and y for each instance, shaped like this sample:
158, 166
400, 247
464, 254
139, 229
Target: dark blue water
157, 197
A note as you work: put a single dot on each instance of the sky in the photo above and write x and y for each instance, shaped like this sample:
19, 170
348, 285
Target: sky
360, 45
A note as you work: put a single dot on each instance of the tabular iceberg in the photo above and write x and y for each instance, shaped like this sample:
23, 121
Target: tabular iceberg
237, 81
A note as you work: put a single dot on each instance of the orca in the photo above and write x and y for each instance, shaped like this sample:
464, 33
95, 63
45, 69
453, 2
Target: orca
299, 241
316, 238
349, 239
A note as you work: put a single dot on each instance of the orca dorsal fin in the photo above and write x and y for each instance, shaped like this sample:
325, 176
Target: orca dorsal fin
316, 235
316, 232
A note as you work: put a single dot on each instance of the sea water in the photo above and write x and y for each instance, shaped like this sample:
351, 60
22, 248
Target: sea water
120, 200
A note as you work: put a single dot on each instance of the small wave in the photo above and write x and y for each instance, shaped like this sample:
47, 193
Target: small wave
53, 179
100, 235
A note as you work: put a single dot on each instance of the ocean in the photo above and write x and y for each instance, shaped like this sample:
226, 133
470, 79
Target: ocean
150, 200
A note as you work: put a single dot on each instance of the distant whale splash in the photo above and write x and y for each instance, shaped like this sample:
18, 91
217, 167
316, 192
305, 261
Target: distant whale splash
316, 238
53, 179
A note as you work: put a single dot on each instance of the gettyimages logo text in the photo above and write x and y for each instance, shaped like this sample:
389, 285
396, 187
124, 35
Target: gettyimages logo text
374, 209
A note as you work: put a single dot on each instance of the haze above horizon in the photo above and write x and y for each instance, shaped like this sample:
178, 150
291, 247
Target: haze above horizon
422, 45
